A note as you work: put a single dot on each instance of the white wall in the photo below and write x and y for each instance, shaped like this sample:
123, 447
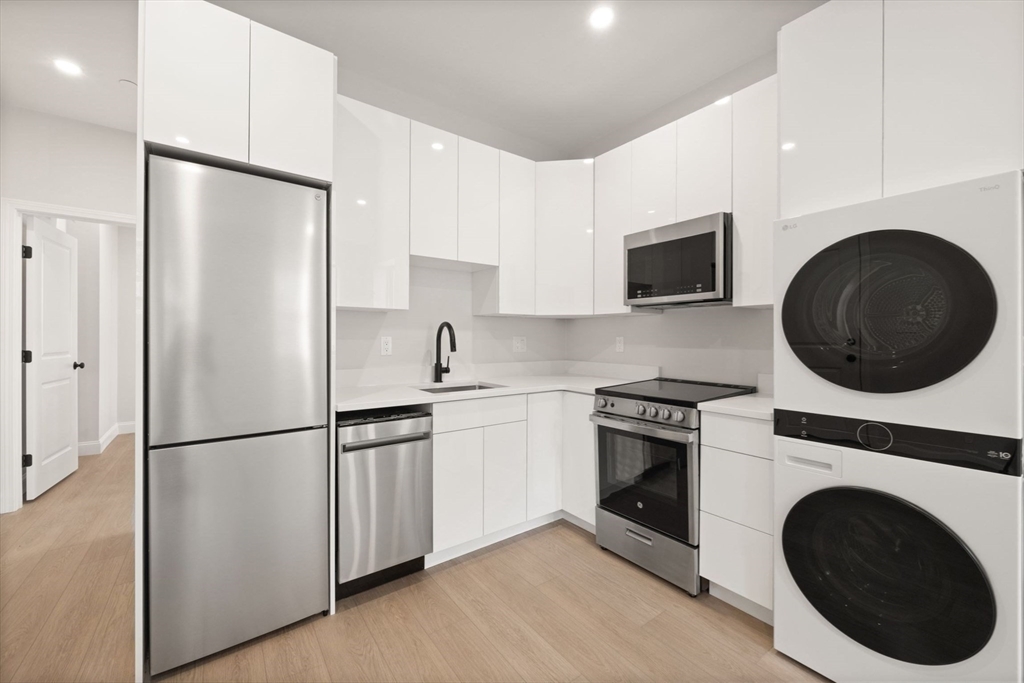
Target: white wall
706, 344
108, 328
436, 296
50, 159
126, 328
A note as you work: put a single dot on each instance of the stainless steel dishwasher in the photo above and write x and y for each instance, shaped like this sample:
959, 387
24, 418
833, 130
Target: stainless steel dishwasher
385, 496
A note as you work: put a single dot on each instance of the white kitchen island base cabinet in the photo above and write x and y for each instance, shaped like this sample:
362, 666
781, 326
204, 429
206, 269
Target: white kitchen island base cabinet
458, 487
504, 476
579, 460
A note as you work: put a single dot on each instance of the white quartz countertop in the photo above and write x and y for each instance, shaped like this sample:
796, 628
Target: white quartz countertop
756, 406
361, 398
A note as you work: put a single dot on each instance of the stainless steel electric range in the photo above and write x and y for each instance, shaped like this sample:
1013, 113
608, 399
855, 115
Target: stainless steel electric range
648, 465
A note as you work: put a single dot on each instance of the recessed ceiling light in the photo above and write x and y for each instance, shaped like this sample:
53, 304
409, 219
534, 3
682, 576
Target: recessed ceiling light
361, 202
724, 100
438, 146
66, 67
181, 140
588, 161
602, 17
786, 146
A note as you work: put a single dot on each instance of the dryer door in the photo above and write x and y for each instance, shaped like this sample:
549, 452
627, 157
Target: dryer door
889, 575
889, 311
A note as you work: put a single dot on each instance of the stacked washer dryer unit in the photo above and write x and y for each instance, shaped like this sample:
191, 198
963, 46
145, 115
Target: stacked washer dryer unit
898, 394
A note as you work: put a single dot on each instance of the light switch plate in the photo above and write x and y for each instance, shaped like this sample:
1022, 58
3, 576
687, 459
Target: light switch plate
518, 344
385, 346
620, 344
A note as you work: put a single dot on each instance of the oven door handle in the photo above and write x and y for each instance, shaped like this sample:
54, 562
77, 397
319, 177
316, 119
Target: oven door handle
676, 435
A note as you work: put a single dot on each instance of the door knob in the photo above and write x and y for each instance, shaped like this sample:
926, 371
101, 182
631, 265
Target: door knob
77, 365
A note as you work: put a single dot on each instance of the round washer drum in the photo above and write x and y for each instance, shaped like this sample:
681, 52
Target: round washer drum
889, 311
889, 575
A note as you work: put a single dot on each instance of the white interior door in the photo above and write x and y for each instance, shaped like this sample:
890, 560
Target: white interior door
51, 334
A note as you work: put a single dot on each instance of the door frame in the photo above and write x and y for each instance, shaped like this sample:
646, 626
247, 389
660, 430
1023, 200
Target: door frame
11, 213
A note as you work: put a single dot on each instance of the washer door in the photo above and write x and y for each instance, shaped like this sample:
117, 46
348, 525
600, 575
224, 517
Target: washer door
889, 311
889, 575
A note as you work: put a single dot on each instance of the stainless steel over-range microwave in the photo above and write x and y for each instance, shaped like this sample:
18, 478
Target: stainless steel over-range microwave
687, 263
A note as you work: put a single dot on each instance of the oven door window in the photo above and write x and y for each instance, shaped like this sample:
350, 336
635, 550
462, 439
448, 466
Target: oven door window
889, 311
645, 479
680, 266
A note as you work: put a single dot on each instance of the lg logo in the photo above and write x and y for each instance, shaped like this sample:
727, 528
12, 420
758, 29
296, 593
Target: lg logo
988, 189
789, 226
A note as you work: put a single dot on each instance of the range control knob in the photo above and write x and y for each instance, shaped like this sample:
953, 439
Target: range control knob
665, 413
653, 411
640, 410
601, 403
679, 416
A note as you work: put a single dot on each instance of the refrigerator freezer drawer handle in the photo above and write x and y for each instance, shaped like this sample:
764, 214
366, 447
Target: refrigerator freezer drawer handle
380, 443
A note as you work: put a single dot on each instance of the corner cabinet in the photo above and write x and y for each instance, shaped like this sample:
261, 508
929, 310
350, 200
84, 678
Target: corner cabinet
241, 91
755, 198
830, 107
371, 207
565, 238
579, 458
613, 172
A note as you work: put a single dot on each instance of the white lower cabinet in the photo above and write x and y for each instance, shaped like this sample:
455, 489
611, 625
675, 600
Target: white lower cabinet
579, 461
505, 466
458, 487
737, 558
737, 487
544, 454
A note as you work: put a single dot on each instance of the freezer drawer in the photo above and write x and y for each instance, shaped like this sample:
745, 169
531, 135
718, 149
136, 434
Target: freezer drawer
385, 495
237, 304
238, 542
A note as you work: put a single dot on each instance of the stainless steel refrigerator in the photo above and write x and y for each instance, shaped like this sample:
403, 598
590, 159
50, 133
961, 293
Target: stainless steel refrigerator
237, 408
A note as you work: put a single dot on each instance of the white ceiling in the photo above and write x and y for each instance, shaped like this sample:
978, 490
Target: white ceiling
534, 68
98, 35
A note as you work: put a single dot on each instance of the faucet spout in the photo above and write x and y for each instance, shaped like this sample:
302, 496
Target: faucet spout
440, 370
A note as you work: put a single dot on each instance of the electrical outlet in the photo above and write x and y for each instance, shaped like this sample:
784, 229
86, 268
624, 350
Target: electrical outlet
385, 346
518, 344
620, 344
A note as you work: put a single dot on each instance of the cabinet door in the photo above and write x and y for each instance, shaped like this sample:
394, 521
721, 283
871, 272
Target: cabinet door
954, 91
196, 78
504, 476
517, 288
478, 203
736, 487
565, 238
544, 454
704, 162
612, 197
291, 105
755, 192
434, 219
579, 460
654, 179
458, 487
737, 558
371, 207
830, 107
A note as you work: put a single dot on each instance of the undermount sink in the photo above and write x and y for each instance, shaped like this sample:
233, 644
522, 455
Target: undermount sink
461, 387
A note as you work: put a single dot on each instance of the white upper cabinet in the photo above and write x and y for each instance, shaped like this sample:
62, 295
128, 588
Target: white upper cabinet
434, 224
654, 179
478, 203
612, 217
511, 289
291, 114
830, 89
704, 162
755, 203
954, 91
371, 207
196, 78
565, 238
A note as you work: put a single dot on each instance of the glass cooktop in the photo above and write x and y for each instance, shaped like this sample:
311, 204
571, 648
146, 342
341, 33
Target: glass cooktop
678, 392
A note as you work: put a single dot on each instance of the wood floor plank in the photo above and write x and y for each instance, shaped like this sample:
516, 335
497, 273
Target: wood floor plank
433, 608
293, 656
785, 669
111, 654
473, 658
349, 650
241, 664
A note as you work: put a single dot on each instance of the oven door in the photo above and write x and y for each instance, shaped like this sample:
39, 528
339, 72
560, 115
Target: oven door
649, 474
688, 262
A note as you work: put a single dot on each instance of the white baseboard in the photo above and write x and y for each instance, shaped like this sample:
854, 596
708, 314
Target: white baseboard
741, 603
484, 541
97, 447
125, 427
581, 523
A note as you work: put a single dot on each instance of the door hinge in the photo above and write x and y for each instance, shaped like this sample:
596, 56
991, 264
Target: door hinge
26, 356
26, 460
26, 251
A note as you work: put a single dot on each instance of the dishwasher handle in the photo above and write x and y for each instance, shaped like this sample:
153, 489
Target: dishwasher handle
385, 441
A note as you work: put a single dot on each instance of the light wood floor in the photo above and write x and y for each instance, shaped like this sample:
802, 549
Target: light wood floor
545, 606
